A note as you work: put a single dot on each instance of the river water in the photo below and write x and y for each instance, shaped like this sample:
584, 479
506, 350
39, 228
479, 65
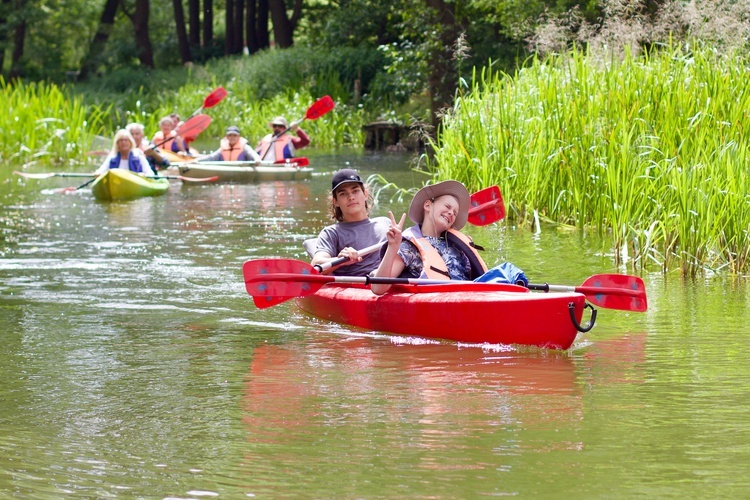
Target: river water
135, 365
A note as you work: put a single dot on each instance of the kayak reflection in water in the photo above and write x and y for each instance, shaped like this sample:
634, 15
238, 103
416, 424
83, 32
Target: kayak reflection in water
434, 248
125, 155
349, 205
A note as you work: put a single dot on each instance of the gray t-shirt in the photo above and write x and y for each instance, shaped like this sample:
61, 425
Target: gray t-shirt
358, 235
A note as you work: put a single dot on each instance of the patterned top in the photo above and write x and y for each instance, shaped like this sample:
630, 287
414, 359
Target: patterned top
455, 260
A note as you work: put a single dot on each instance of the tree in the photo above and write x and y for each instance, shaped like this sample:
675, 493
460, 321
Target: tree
182, 38
208, 23
283, 25
194, 18
139, 18
98, 44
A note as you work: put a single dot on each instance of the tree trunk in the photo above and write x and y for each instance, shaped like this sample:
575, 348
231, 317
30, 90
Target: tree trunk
194, 14
142, 39
19, 36
182, 38
261, 25
251, 35
238, 31
283, 26
442, 80
96, 48
229, 25
208, 23
4, 30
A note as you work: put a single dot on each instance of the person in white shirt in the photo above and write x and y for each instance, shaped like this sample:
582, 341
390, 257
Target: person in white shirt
125, 155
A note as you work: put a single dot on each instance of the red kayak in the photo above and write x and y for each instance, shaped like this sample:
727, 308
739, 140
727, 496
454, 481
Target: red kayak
473, 313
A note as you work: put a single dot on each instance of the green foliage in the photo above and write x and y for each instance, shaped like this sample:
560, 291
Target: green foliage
650, 149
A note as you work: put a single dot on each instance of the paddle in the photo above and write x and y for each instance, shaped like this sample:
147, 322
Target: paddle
194, 125
486, 207
272, 281
177, 177
211, 100
315, 111
610, 291
47, 175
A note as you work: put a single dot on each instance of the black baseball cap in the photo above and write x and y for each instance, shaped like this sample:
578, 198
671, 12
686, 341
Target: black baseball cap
343, 176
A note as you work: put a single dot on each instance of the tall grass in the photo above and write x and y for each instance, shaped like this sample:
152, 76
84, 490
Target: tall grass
41, 124
650, 149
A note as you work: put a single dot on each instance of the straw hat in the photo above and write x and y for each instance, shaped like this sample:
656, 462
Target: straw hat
453, 188
280, 120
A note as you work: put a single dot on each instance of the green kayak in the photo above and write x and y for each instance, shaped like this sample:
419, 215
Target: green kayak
120, 184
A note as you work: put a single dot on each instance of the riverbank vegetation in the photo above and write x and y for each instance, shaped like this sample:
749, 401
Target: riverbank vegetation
633, 126
647, 146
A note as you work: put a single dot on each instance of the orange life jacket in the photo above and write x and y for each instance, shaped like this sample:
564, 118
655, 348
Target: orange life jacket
230, 153
159, 137
282, 147
433, 265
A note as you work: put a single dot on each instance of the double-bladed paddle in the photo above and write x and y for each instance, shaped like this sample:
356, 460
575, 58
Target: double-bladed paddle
273, 281
315, 111
211, 100
193, 126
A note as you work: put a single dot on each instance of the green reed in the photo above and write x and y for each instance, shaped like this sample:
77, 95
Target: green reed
41, 124
649, 149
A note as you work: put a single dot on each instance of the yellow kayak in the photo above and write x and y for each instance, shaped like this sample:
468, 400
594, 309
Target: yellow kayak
120, 184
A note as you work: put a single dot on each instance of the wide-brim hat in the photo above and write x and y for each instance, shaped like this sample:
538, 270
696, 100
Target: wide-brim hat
279, 120
453, 188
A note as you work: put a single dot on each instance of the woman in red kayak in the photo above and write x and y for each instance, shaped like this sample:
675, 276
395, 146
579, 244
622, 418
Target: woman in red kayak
433, 248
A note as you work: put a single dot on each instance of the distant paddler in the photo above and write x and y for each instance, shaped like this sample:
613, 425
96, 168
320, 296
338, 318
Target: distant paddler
233, 147
280, 145
153, 155
167, 137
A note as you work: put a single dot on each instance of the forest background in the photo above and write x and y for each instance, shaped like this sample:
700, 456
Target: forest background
624, 117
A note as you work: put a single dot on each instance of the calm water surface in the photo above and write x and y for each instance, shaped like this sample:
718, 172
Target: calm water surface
135, 365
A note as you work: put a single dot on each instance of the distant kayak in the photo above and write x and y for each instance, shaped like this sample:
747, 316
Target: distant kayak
240, 171
120, 184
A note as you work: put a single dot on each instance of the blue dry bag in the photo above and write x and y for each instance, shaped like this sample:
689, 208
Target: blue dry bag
504, 273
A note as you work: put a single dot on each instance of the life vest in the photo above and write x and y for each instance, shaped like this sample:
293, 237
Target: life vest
433, 265
283, 147
236, 153
134, 162
170, 144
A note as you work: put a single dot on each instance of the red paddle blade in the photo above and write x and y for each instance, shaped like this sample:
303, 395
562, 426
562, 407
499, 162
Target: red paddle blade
297, 162
319, 108
214, 97
267, 291
193, 127
486, 207
615, 291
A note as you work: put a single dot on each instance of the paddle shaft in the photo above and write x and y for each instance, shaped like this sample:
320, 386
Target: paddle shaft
586, 290
365, 251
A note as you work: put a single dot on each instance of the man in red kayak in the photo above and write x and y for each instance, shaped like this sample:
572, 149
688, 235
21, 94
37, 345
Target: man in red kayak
433, 248
280, 145
349, 205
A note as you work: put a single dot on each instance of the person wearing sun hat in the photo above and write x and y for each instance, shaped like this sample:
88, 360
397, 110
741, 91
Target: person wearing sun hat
233, 147
349, 206
280, 145
434, 247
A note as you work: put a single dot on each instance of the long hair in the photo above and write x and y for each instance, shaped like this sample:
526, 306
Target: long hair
119, 135
335, 212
